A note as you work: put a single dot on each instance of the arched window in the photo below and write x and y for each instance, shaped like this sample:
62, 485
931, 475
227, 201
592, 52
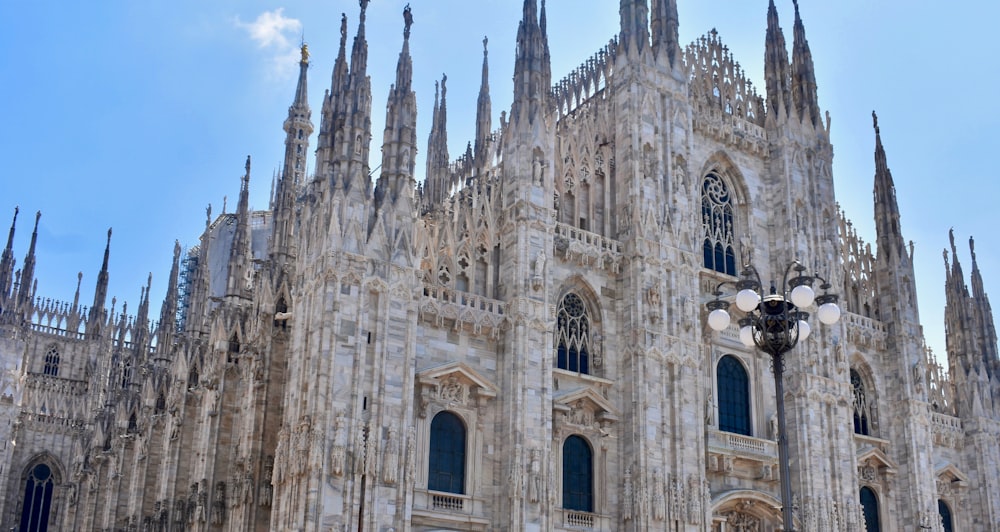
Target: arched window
126, 374
734, 396
573, 335
869, 508
578, 475
945, 513
193, 377
52, 362
37, 499
446, 467
717, 214
862, 406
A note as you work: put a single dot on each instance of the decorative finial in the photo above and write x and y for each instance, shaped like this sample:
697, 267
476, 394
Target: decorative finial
343, 27
109, 236
364, 6
248, 165
875, 121
486, 40
407, 21
305, 53
951, 238
972, 248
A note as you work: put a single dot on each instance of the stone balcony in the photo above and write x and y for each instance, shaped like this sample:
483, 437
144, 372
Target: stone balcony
742, 456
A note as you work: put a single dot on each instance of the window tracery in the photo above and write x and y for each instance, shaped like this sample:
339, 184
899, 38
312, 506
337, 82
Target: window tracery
52, 362
573, 335
37, 502
862, 405
717, 214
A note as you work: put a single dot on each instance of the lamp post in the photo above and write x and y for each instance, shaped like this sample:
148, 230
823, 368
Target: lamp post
775, 323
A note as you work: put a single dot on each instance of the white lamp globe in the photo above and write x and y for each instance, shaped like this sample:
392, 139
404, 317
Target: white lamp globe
718, 319
746, 336
802, 296
828, 313
804, 330
747, 300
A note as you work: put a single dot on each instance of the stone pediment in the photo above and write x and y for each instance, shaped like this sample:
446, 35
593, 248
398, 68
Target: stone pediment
874, 461
574, 403
952, 475
453, 384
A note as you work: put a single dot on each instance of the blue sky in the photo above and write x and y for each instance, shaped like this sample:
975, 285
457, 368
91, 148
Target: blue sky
137, 115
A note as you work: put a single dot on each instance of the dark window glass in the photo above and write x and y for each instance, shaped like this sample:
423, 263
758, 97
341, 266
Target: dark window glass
573, 335
734, 396
52, 362
446, 469
717, 225
578, 475
869, 507
37, 499
945, 514
862, 408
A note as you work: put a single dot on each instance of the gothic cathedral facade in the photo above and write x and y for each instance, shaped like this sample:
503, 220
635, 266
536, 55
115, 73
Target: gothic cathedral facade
518, 342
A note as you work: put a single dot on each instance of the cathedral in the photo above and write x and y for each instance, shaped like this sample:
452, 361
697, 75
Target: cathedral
518, 339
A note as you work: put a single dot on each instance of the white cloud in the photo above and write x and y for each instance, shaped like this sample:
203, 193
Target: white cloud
275, 32
270, 28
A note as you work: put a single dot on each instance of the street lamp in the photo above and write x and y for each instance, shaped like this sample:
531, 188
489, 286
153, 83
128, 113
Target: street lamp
775, 323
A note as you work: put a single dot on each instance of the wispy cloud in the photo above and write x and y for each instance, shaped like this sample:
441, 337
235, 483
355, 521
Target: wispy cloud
275, 33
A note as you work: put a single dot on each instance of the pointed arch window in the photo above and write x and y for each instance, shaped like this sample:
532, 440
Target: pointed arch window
862, 405
578, 475
37, 502
52, 362
717, 215
733, 386
446, 466
126, 373
947, 525
869, 508
573, 335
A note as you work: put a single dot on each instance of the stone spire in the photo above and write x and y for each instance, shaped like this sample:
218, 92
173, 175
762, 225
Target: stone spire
333, 107
399, 143
970, 332
168, 310
437, 178
664, 26
240, 269
891, 245
298, 128
358, 132
634, 35
7, 265
982, 313
484, 126
532, 68
97, 312
776, 69
803, 73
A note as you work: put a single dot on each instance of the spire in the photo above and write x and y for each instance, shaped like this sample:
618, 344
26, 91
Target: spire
982, 314
634, 36
168, 311
665, 24
298, 128
532, 68
7, 265
400, 139
804, 75
359, 52
358, 116
239, 254
97, 312
889, 237
333, 105
436, 187
28, 270
484, 111
776, 69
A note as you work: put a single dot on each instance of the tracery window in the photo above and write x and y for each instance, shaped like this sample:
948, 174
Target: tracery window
945, 513
573, 335
446, 466
717, 213
733, 386
862, 406
37, 501
578, 475
52, 362
869, 508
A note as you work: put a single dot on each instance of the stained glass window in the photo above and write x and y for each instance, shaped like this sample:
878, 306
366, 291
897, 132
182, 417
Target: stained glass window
734, 396
578, 475
37, 499
446, 469
573, 335
862, 407
52, 362
717, 213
